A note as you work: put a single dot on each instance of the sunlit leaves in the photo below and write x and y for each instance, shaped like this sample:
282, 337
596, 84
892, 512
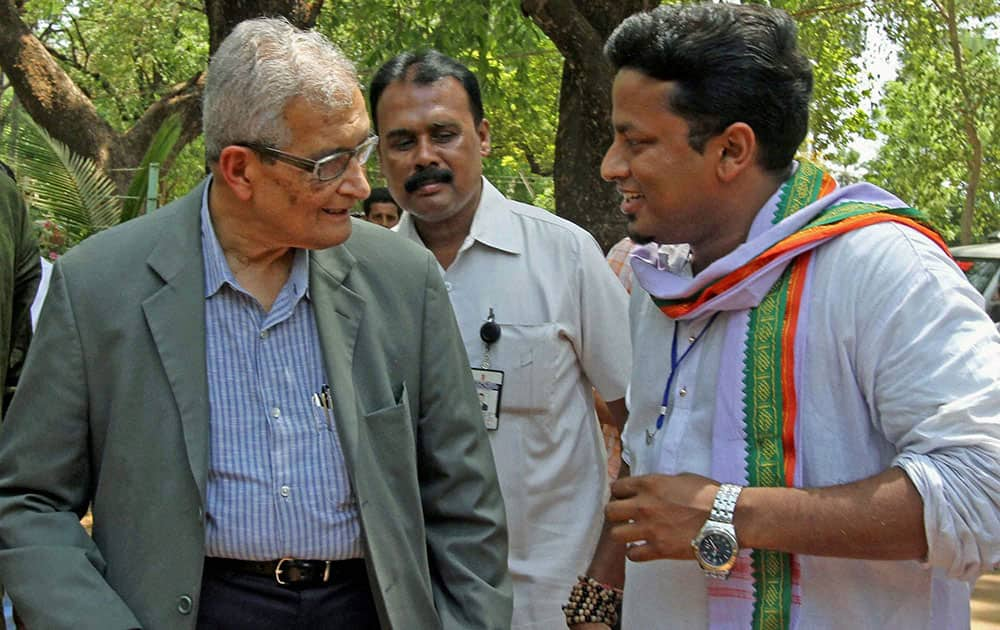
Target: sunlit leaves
832, 36
927, 158
123, 55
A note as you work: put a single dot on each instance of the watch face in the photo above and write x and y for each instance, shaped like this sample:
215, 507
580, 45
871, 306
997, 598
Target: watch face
715, 549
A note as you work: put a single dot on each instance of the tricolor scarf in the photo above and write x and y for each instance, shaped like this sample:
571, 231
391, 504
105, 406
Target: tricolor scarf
765, 283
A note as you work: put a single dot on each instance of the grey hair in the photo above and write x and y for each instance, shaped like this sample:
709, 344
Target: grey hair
261, 66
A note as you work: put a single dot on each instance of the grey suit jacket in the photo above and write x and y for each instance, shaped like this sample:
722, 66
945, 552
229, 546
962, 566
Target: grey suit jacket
113, 412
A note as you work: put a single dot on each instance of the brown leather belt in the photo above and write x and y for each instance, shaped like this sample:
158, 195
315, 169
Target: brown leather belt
290, 571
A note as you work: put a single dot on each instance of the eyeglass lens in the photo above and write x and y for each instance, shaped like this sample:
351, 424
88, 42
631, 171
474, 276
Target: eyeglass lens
336, 165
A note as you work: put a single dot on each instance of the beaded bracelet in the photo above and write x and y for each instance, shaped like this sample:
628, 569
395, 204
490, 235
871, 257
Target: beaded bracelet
591, 601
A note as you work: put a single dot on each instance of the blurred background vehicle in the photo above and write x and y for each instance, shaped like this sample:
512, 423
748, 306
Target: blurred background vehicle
981, 264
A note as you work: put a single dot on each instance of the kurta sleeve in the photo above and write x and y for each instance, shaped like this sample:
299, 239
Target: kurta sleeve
930, 359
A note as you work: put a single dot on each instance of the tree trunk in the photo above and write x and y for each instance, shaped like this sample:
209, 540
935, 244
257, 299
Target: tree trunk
584, 133
55, 102
47, 93
224, 15
579, 28
969, 113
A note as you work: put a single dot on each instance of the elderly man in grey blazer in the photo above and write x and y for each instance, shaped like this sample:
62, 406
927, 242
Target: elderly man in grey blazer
265, 403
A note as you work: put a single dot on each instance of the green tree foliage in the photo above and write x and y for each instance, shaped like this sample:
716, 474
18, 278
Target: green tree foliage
128, 58
924, 157
941, 117
162, 145
833, 37
123, 55
101, 77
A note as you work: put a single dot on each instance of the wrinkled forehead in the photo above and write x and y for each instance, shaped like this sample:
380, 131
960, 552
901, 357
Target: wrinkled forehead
330, 125
329, 112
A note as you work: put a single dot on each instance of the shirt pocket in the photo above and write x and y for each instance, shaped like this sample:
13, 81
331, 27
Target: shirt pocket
526, 353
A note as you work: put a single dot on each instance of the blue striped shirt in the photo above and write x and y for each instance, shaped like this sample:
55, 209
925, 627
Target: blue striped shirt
277, 481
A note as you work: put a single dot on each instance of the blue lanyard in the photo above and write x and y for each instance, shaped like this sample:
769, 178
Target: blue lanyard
674, 364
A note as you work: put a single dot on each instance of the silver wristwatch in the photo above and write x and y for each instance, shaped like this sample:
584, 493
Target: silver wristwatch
715, 546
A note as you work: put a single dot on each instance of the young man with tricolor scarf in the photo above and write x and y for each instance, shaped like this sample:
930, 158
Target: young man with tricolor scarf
814, 431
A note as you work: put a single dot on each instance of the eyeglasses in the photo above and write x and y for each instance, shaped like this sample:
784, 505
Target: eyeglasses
324, 169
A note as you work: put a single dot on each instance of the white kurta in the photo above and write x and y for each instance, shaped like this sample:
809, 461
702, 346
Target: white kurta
902, 368
564, 329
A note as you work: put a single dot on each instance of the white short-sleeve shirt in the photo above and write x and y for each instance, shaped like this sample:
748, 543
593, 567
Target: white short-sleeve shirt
563, 317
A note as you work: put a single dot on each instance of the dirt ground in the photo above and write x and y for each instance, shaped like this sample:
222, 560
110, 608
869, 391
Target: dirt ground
986, 603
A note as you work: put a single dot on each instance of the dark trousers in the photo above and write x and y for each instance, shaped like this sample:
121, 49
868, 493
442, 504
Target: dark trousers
238, 601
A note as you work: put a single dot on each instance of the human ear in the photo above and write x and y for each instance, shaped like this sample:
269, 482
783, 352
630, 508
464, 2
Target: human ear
736, 148
237, 167
483, 131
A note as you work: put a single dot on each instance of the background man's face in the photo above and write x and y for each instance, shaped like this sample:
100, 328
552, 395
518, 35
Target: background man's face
431, 150
383, 213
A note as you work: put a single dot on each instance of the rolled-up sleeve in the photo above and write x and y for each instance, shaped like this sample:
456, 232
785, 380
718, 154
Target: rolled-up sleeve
955, 469
931, 357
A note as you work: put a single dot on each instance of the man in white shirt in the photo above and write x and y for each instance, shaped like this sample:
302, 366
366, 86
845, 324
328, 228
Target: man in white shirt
822, 433
541, 314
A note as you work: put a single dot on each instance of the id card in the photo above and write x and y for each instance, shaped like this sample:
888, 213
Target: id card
489, 386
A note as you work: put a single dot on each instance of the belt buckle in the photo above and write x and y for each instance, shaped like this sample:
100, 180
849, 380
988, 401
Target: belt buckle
277, 571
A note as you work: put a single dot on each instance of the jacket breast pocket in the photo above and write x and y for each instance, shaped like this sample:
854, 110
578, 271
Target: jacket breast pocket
390, 434
527, 353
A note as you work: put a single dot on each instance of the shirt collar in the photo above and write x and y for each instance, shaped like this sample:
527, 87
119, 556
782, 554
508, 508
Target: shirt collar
217, 271
493, 224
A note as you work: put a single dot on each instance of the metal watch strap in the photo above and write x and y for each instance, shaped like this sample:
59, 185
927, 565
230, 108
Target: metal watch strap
725, 503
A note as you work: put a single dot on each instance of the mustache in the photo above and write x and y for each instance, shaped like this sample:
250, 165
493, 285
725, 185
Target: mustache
429, 175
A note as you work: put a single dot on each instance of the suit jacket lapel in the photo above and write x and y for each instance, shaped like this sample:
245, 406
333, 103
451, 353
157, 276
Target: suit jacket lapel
338, 311
176, 318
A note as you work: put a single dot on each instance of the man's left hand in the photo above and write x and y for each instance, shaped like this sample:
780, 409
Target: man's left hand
662, 513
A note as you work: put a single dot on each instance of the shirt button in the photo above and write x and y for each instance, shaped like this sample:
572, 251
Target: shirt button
447, 286
285, 491
184, 605
692, 339
276, 412
683, 392
264, 334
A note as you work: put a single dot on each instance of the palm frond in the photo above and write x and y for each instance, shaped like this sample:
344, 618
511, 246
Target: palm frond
60, 185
